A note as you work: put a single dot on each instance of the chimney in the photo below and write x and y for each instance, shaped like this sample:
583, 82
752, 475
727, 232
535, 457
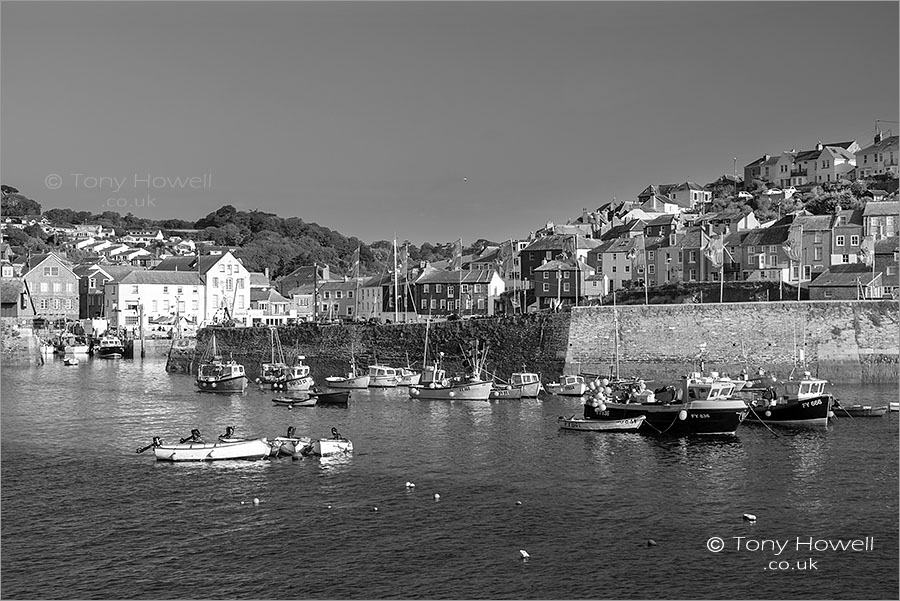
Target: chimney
767, 157
877, 137
266, 271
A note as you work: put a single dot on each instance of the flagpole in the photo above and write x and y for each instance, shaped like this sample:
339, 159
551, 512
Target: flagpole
396, 299
356, 277
722, 281
646, 272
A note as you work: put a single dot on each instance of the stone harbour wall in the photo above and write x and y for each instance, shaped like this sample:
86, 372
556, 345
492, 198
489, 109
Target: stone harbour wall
843, 341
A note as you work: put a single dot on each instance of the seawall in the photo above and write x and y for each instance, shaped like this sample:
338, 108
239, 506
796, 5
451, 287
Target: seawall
843, 341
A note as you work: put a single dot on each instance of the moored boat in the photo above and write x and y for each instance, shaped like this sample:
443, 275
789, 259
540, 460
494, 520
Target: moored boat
630, 424
436, 386
382, 376
695, 405
802, 402
194, 448
505, 392
529, 383
408, 377
289, 445
568, 385
277, 374
110, 347
859, 410
353, 381
309, 401
331, 397
325, 447
70, 360
218, 375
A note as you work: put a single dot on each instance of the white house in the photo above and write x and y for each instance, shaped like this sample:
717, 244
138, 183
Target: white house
879, 158
226, 284
157, 294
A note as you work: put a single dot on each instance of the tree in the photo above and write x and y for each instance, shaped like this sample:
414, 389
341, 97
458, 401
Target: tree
16, 204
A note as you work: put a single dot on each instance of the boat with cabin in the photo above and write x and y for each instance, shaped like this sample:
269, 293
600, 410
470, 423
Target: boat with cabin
110, 347
277, 374
529, 383
568, 385
217, 374
435, 385
505, 391
802, 402
695, 405
382, 376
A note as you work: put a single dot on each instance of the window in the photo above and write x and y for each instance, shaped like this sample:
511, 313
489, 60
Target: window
165, 306
845, 258
692, 257
565, 275
450, 291
651, 269
57, 286
195, 290
51, 271
650, 255
546, 287
195, 306
45, 304
464, 288
817, 253
425, 289
839, 240
773, 249
134, 290
614, 269
240, 302
349, 294
349, 310
424, 303
45, 287
692, 275
807, 272
179, 289
92, 282
478, 288
221, 268
481, 304
229, 269
546, 275
154, 306
326, 295
443, 303
68, 286
826, 293
433, 304
854, 240
55, 303
339, 294
229, 284
627, 268
438, 288
566, 287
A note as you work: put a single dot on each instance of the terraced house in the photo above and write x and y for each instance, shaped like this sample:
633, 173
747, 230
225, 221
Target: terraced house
463, 292
52, 287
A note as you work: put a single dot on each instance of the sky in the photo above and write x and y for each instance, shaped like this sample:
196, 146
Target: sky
425, 121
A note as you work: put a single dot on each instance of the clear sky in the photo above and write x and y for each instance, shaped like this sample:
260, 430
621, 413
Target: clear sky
425, 120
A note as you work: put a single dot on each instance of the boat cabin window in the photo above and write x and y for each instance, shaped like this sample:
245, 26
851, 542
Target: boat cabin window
698, 392
805, 388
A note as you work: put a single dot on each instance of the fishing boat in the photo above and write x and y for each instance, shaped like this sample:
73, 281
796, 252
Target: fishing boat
290, 402
858, 410
435, 385
630, 424
325, 447
70, 344
568, 385
330, 397
529, 383
277, 374
408, 377
802, 402
505, 391
194, 448
110, 347
894, 406
218, 375
695, 405
70, 360
353, 380
382, 376
289, 445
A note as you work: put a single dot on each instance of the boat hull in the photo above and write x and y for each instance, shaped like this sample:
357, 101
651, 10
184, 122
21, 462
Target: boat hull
807, 412
111, 352
475, 391
289, 402
332, 397
383, 382
226, 385
283, 446
409, 379
696, 417
356, 383
567, 389
631, 424
531, 391
506, 393
301, 384
860, 411
246, 449
326, 447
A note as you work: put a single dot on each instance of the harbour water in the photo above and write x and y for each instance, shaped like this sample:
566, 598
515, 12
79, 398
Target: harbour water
85, 517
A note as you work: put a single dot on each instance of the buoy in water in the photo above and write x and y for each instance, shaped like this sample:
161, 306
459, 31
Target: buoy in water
437, 497
651, 542
518, 502
524, 554
255, 501
749, 517
374, 509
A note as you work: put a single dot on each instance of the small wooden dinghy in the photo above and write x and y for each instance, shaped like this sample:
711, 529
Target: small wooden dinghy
630, 424
292, 402
194, 449
859, 411
331, 397
289, 445
324, 447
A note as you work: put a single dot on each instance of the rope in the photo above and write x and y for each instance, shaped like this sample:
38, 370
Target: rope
761, 421
647, 421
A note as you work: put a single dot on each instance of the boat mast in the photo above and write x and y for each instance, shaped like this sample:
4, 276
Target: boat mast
616, 336
396, 286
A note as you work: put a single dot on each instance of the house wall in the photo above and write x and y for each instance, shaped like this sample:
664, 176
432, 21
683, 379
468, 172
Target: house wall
160, 300
217, 294
58, 297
